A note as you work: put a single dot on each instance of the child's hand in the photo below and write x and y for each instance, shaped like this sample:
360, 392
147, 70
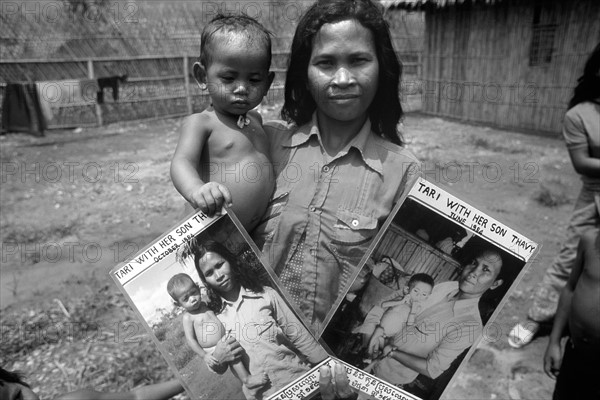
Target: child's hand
210, 198
552, 360
415, 307
211, 361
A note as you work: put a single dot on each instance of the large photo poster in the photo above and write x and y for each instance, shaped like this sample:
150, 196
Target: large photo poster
200, 284
428, 291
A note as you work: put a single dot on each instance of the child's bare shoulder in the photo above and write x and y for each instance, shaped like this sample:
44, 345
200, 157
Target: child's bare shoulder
205, 120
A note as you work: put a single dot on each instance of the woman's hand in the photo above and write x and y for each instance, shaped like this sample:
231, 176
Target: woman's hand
226, 351
211, 361
376, 344
336, 387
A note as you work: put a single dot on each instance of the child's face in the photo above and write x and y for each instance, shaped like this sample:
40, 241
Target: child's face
237, 76
189, 297
420, 291
343, 71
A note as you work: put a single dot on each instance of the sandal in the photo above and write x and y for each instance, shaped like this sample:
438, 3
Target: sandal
523, 333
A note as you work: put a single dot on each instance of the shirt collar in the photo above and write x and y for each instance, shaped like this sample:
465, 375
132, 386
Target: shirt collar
364, 142
464, 306
244, 294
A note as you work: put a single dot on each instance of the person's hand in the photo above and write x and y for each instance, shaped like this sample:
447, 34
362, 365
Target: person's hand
552, 360
387, 350
336, 386
375, 345
210, 198
415, 307
210, 361
227, 350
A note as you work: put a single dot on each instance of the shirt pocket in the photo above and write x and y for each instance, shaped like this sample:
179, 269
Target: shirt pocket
352, 235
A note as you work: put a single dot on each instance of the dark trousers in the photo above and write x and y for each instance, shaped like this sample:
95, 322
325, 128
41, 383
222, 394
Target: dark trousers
579, 376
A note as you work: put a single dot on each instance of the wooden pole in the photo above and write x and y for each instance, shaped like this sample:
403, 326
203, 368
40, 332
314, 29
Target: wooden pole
90, 67
186, 77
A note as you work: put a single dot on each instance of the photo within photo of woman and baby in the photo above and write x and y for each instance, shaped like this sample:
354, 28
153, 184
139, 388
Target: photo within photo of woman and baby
434, 277
215, 312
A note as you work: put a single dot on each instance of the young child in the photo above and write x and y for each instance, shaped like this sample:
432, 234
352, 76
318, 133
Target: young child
222, 154
203, 330
577, 371
396, 312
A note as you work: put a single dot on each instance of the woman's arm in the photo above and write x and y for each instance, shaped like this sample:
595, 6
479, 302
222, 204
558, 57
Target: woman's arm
584, 163
294, 329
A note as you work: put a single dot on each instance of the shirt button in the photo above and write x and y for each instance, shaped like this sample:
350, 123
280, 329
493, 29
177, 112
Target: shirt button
355, 222
312, 208
326, 169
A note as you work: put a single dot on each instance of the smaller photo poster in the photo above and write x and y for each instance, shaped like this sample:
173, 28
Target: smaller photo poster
199, 288
426, 292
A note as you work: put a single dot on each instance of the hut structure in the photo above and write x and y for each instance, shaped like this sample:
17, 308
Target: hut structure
506, 63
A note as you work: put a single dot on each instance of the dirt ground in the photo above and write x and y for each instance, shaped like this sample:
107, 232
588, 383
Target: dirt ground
74, 204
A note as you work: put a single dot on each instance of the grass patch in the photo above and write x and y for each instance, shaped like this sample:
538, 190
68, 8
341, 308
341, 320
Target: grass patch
552, 193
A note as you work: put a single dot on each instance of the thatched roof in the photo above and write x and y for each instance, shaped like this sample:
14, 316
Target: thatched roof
416, 4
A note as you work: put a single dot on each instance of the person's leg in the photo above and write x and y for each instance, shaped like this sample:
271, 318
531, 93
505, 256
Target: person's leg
545, 299
586, 214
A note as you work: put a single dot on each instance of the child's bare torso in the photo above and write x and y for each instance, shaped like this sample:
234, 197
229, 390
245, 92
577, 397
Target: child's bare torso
239, 159
207, 327
394, 319
584, 324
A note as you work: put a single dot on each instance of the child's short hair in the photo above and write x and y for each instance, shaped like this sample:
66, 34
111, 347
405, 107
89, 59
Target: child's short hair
385, 111
227, 24
178, 281
423, 278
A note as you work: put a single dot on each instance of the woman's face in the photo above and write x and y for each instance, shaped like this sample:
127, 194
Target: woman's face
217, 272
343, 71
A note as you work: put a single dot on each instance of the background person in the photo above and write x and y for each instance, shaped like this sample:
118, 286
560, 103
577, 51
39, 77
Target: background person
581, 131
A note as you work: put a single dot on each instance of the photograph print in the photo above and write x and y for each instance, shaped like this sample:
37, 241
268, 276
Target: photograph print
430, 286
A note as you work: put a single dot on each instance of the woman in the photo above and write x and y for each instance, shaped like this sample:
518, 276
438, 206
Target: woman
339, 164
581, 131
274, 341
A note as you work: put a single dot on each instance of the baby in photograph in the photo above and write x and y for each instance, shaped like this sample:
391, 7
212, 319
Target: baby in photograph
395, 312
203, 330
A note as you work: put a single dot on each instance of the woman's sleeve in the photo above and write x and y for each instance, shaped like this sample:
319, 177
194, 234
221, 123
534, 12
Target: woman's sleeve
574, 131
295, 331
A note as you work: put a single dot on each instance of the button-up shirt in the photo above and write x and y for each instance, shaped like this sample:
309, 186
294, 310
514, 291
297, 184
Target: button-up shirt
330, 207
274, 340
443, 330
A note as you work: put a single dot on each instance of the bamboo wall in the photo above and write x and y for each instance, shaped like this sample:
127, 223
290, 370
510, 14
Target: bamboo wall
476, 63
416, 256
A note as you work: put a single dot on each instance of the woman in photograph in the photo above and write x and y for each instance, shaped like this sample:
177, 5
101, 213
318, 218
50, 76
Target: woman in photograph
273, 339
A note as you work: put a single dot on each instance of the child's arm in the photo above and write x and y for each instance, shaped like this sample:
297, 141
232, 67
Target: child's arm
553, 355
190, 336
186, 163
157, 391
391, 303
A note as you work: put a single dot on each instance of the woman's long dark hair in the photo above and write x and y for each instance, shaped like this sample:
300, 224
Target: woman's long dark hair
588, 85
242, 274
385, 111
